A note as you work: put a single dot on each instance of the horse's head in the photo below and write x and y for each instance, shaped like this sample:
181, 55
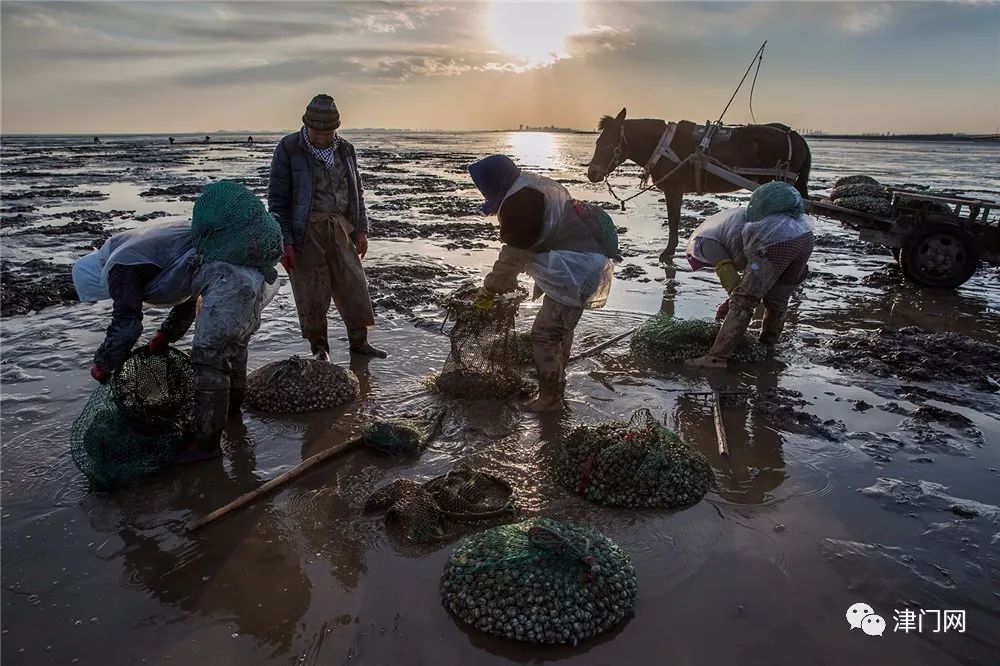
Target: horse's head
609, 152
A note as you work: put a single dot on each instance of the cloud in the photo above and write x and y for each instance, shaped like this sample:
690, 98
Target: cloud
862, 18
600, 38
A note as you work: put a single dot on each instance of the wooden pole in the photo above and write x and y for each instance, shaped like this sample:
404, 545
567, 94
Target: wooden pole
274, 483
720, 427
604, 345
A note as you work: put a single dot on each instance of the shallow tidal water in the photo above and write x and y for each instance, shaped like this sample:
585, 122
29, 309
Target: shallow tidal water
804, 522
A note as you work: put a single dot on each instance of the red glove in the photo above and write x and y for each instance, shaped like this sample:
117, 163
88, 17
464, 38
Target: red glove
288, 258
723, 310
100, 375
159, 343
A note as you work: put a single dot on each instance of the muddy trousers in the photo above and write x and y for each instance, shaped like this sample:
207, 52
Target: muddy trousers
327, 267
220, 382
773, 278
551, 341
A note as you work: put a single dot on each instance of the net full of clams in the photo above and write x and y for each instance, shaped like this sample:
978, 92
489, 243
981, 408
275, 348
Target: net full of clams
867, 195
300, 385
540, 581
444, 506
639, 464
662, 339
155, 392
484, 360
135, 425
402, 435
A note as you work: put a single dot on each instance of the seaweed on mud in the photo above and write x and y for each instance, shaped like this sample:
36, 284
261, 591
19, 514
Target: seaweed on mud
779, 406
44, 193
92, 215
71, 228
184, 191
914, 353
632, 272
401, 287
34, 285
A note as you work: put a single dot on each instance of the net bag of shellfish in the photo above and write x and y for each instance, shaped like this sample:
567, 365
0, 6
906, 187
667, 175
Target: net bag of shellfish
639, 464
300, 385
443, 507
484, 360
662, 339
540, 581
110, 452
155, 392
402, 435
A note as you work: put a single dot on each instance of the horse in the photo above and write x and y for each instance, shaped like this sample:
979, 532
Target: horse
763, 147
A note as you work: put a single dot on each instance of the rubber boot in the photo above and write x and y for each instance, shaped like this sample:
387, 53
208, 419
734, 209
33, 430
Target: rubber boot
551, 391
236, 395
359, 344
320, 349
729, 335
771, 327
211, 411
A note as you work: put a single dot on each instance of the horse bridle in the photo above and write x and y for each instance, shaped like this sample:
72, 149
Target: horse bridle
618, 156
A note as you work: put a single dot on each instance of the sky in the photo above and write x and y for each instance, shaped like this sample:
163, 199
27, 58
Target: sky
133, 67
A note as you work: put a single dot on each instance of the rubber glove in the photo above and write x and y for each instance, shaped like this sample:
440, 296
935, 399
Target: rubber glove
288, 258
723, 310
159, 343
485, 299
729, 277
100, 375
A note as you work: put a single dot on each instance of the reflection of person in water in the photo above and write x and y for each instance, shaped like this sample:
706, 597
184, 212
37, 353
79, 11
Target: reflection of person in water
755, 465
235, 571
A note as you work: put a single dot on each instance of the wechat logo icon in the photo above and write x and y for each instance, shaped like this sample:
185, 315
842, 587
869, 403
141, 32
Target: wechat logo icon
862, 616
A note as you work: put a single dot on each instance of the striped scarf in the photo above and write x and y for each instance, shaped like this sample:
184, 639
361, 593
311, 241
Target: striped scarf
328, 156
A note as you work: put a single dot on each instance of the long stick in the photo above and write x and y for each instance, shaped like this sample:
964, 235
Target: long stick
604, 345
720, 427
274, 483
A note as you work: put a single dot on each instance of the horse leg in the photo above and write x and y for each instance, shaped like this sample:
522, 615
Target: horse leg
673, 200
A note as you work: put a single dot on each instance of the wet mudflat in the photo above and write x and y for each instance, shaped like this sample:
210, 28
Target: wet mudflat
864, 466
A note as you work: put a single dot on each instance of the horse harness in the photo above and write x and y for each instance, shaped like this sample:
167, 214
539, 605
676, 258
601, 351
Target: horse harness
707, 134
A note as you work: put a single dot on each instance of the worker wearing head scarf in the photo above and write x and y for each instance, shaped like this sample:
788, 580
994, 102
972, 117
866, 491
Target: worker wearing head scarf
565, 245
771, 240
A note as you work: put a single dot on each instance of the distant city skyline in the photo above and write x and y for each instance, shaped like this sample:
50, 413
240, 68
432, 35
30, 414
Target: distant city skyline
181, 67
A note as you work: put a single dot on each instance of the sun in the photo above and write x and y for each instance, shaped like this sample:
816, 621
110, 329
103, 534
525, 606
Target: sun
533, 32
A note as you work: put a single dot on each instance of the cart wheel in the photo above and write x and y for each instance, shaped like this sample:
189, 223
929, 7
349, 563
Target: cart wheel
939, 255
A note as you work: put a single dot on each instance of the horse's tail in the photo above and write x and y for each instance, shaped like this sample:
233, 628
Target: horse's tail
802, 182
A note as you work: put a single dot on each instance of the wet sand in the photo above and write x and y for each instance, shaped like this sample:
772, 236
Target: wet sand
846, 483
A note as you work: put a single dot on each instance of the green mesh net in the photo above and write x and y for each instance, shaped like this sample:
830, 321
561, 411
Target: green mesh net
109, 452
229, 223
298, 385
484, 360
662, 340
444, 506
541, 581
402, 435
774, 197
604, 227
639, 464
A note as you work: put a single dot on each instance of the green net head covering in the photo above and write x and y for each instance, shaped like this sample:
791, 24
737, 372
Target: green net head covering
774, 197
229, 223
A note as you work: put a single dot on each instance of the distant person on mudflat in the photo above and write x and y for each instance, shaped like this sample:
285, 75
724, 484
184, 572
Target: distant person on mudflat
771, 241
227, 257
316, 194
565, 245
171, 139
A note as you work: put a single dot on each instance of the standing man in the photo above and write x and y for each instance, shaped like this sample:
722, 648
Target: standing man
315, 192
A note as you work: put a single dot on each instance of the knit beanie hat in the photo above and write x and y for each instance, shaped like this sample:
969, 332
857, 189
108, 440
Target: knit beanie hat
774, 197
522, 216
322, 114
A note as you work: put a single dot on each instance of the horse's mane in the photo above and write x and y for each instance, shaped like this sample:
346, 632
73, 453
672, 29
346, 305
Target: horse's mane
605, 122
